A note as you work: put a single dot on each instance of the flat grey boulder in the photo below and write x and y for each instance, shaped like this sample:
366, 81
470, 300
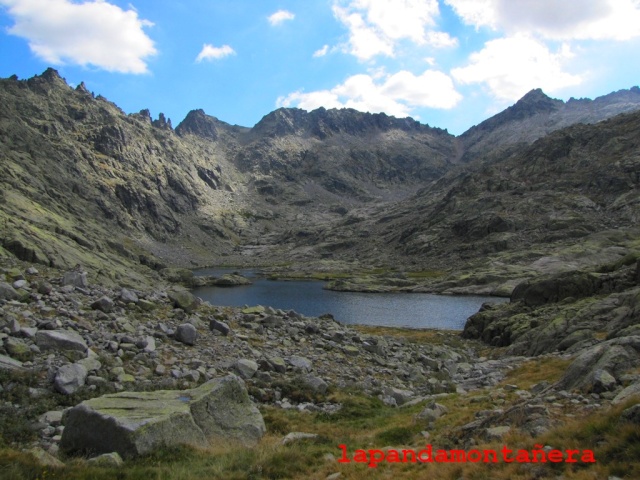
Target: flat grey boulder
8, 363
135, 423
60, 340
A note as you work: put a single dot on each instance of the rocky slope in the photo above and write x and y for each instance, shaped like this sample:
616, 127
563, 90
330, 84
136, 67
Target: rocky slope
529, 204
567, 201
536, 115
82, 182
65, 340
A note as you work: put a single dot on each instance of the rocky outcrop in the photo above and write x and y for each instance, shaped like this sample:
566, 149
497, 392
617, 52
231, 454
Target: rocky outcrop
564, 285
599, 368
135, 423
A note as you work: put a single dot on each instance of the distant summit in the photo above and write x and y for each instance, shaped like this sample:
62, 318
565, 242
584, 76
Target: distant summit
536, 115
323, 123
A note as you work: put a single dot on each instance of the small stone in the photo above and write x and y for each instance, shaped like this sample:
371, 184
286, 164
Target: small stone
245, 368
104, 304
149, 344
128, 296
60, 340
432, 412
146, 305
315, 384
94, 380
219, 326
70, 378
400, 396
112, 459
184, 300
297, 436
192, 376
496, 433
75, 279
44, 288
45, 459
91, 363
16, 348
351, 350
187, 334
53, 417
7, 292
300, 363
603, 381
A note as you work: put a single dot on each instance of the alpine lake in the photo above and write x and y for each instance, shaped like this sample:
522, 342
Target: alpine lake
405, 310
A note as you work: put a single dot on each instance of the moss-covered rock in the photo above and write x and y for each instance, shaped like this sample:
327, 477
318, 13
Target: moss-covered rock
135, 423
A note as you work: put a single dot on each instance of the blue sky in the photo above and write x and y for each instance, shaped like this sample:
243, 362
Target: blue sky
448, 63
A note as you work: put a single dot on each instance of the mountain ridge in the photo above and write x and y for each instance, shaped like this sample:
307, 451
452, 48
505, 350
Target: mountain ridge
232, 193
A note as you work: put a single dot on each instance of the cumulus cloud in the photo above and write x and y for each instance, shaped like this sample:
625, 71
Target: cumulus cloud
375, 26
94, 33
321, 52
209, 52
398, 94
280, 16
555, 19
512, 66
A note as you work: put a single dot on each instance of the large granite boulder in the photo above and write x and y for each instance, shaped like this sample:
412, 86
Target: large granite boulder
135, 423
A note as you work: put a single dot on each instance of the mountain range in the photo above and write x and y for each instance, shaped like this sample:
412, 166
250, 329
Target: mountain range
543, 186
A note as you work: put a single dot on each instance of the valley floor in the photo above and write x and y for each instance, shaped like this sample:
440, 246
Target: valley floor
373, 391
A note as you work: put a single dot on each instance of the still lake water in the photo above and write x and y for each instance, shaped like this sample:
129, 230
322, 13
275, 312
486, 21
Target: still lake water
413, 310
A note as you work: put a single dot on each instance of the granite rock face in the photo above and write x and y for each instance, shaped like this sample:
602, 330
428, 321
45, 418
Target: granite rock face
135, 423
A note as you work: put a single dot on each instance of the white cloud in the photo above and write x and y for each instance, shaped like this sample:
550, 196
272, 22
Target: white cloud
512, 66
398, 94
375, 26
94, 33
280, 16
321, 52
555, 19
209, 52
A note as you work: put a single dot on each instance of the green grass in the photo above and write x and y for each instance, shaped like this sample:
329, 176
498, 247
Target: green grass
364, 422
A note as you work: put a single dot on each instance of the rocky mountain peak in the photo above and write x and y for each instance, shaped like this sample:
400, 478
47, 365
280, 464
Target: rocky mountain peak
50, 79
322, 123
533, 103
162, 122
51, 75
199, 123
